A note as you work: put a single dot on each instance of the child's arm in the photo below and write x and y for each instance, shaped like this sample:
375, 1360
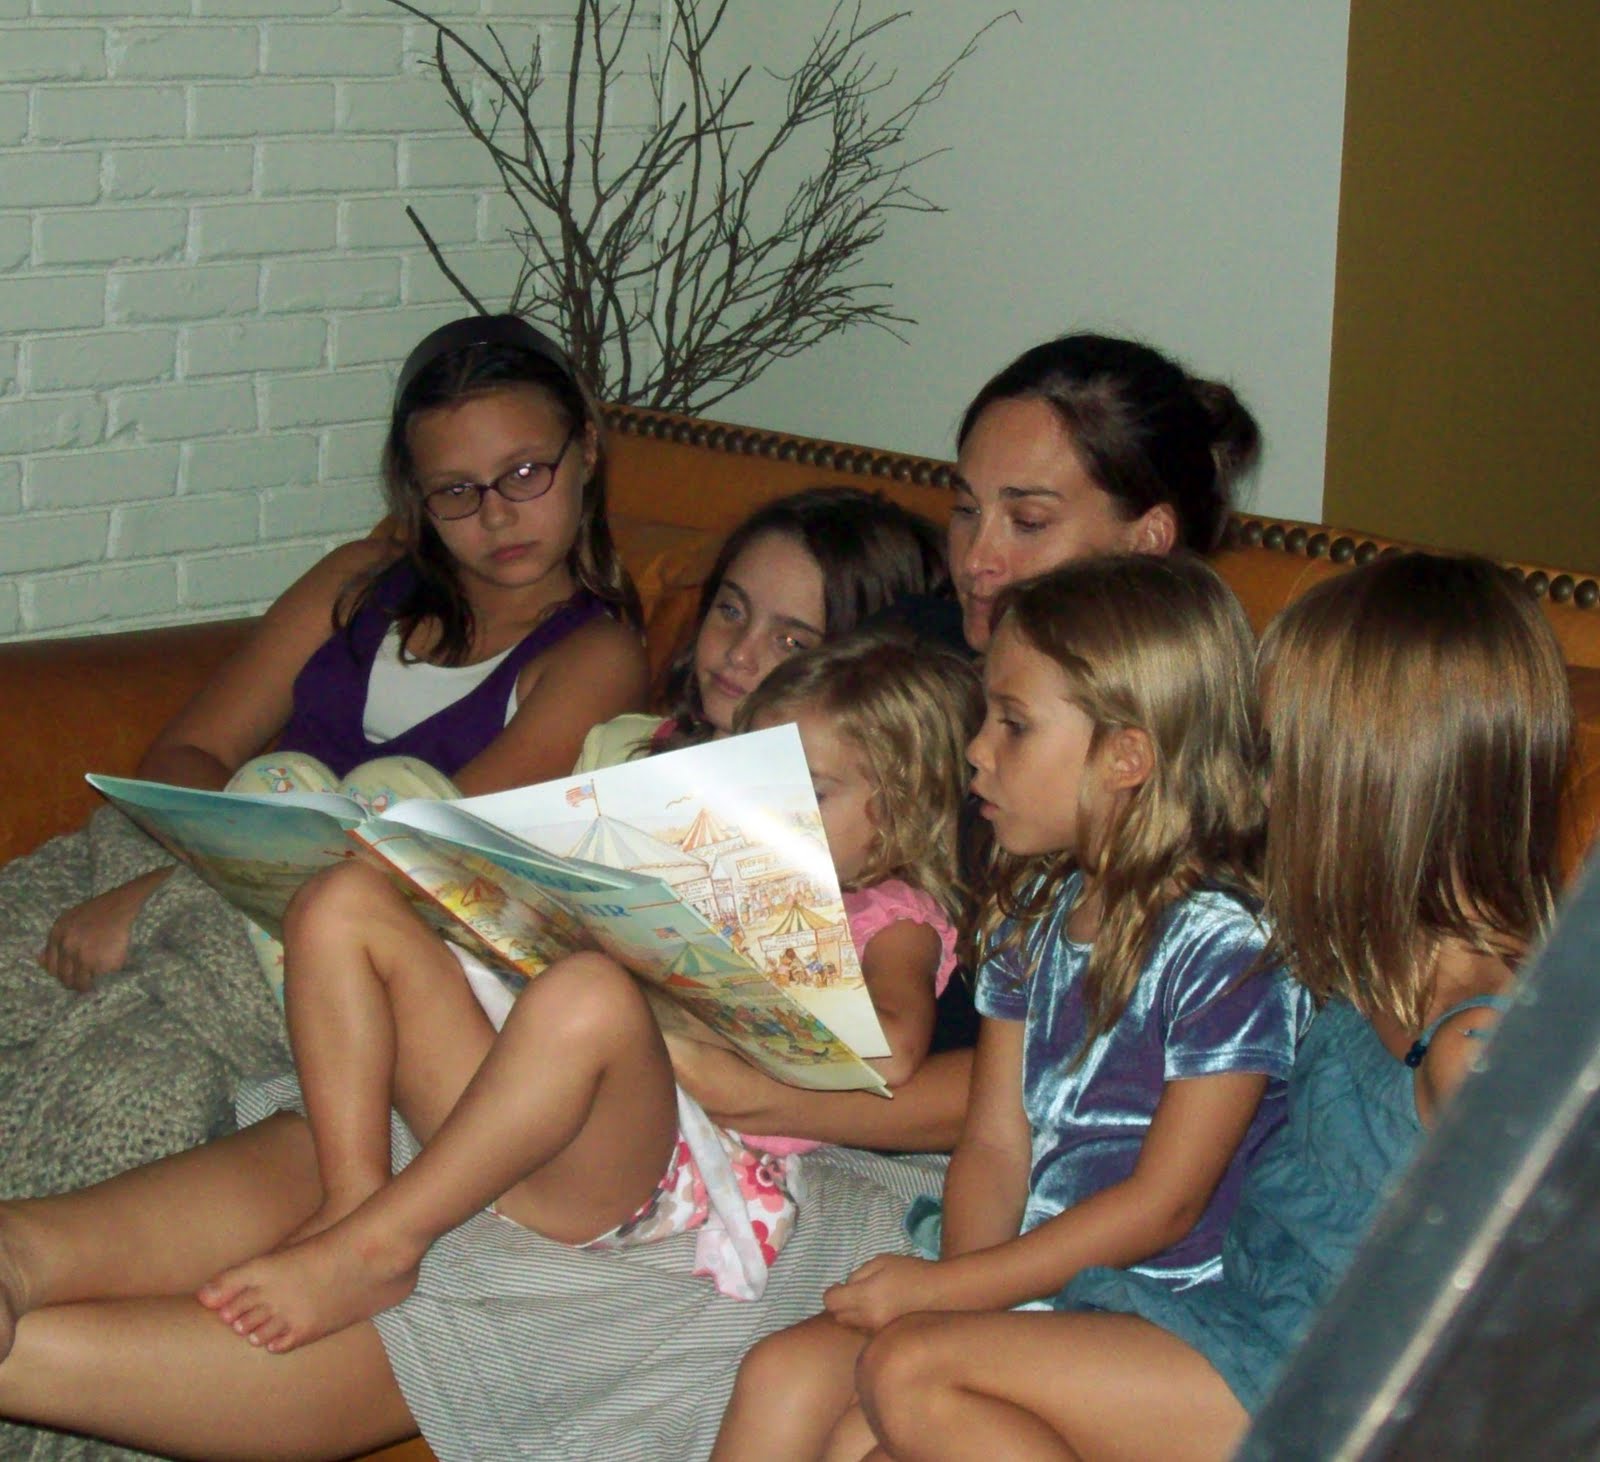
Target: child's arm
900, 964
986, 1189
248, 701
232, 717
1197, 1127
595, 673
925, 1115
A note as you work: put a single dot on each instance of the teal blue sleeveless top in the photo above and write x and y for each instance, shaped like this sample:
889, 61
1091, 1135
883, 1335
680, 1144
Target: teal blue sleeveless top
1306, 1206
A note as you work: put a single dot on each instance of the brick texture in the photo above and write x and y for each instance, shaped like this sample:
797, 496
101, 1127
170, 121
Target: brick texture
207, 280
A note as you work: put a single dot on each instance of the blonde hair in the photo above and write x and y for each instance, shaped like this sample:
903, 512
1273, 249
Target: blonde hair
908, 708
1161, 646
1419, 721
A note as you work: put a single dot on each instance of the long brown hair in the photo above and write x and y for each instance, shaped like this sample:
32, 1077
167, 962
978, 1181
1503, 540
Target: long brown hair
1419, 721
471, 357
1161, 646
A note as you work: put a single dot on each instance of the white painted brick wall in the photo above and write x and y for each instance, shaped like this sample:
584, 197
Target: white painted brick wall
207, 282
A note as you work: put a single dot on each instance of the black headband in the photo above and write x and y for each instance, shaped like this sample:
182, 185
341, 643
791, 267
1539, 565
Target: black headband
510, 330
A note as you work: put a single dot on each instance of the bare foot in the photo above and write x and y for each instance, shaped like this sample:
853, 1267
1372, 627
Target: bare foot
293, 1296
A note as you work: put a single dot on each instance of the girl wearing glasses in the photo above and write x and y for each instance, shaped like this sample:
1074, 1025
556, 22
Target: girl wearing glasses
479, 640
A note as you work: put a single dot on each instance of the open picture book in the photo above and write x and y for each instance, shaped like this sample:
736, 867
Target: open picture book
705, 872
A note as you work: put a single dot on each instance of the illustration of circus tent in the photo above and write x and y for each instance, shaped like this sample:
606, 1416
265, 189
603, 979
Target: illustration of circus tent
802, 940
618, 844
798, 919
708, 836
700, 962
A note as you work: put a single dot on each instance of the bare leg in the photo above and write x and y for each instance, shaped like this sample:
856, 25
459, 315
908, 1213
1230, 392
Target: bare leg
791, 1389
162, 1375
568, 1119
369, 991
228, 1199
851, 1439
101, 1347
1088, 1387
348, 937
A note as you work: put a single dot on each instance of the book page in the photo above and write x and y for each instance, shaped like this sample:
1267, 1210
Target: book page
255, 849
721, 891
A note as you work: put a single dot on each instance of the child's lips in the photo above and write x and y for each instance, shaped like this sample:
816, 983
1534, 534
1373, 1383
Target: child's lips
724, 687
510, 552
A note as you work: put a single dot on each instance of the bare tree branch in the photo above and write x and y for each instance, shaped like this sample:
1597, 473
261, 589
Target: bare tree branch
674, 266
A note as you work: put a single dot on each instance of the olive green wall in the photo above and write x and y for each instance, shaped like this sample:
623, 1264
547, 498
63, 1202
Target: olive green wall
1464, 404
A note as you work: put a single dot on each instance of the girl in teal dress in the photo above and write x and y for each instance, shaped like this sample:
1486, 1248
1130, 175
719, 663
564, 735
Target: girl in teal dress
1417, 719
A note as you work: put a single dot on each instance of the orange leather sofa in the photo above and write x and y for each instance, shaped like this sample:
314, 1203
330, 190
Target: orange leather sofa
677, 484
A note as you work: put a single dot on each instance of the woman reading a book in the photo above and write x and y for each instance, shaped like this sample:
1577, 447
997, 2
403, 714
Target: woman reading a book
1083, 445
1076, 443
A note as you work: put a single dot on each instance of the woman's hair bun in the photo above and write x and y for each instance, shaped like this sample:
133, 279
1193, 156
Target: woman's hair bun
1235, 435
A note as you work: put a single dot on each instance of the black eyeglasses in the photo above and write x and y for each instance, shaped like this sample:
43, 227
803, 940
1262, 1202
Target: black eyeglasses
519, 484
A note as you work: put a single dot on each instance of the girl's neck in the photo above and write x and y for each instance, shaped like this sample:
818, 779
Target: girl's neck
1083, 922
1461, 972
501, 617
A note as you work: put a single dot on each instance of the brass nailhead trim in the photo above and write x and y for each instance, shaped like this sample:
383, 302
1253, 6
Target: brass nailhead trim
1562, 589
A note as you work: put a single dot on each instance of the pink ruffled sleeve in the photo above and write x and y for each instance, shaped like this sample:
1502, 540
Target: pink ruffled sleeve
871, 910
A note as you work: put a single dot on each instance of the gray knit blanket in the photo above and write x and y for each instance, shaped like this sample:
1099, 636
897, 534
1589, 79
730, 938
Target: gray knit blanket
145, 1064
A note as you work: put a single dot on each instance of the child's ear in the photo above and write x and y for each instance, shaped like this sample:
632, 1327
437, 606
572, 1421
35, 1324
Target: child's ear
1130, 758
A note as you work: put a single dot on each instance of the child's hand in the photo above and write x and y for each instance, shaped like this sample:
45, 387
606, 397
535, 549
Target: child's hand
882, 1290
91, 939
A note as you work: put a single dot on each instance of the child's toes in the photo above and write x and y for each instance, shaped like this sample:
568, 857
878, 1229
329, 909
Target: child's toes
248, 1319
216, 1294
276, 1336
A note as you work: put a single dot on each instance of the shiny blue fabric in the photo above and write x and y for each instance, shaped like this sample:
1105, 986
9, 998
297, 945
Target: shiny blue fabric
1200, 1008
1306, 1207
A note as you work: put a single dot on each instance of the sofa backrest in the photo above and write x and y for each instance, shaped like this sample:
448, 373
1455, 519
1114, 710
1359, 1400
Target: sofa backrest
675, 478
677, 485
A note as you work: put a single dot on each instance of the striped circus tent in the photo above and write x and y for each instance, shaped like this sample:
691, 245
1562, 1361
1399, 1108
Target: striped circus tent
617, 844
708, 960
797, 919
706, 832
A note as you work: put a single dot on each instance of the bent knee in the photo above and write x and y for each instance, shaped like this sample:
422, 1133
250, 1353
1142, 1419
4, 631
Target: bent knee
769, 1366
587, 998
903, 1358
350, 889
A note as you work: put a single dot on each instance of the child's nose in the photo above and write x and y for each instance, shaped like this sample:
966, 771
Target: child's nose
496, 510
978, 752
742, 649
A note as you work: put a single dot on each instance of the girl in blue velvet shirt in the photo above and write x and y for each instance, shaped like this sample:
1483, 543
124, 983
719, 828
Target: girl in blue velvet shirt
1134, 1043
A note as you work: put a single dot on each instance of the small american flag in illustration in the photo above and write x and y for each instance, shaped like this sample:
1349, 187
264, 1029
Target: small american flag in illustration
581, 793
666, 933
